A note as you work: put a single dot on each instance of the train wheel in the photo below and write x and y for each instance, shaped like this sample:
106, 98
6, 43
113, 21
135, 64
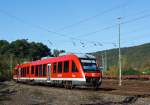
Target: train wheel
68, 84
97, 83
65, 84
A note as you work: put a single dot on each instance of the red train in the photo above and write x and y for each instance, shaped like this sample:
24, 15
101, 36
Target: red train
67, 70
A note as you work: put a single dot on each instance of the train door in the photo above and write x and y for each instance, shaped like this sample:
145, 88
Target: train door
49, 71
19, 74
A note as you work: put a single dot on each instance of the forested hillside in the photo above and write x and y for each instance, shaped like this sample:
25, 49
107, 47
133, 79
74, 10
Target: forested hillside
135, 58
15, 52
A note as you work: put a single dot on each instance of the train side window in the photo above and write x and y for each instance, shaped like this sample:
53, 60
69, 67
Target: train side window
21, 72
27, 70
54, 69
44, 69
74, 67
66, 66
32, 69
40, 66
59, 67
36, 70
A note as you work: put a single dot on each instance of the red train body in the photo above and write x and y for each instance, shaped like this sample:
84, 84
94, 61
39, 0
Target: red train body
68, 70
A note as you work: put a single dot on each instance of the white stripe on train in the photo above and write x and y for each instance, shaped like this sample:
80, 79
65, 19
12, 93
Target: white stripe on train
68, 79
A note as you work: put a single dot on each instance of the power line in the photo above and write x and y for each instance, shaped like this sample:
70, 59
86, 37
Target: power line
36, 26
134, 14
30, 24
134, 31
92, 17
111, 26
135, 19
100, 30
64, 35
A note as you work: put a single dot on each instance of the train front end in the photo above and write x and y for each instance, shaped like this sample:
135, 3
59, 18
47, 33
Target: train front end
93, 74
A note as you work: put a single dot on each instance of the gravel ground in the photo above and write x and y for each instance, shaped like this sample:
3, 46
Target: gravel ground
131, 93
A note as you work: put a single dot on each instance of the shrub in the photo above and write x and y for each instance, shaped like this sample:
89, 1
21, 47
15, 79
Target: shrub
146, 71
130, 72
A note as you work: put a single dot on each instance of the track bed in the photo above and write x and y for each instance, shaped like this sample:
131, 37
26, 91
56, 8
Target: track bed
132, 92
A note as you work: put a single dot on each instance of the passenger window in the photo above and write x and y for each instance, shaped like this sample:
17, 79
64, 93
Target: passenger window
32, 70
74, 67
59, 67
36, 71
21, 72
40, 70
44, 70
66, 66
27, 70
54, 69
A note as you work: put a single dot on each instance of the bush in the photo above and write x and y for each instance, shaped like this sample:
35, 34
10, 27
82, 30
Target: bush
130, 72
147, 71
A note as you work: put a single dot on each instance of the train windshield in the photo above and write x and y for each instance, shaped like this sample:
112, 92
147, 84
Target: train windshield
88, 64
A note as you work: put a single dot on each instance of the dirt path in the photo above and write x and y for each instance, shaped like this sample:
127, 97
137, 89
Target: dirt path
131, 93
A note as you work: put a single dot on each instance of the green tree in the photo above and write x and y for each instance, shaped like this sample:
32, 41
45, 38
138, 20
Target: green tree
19, 51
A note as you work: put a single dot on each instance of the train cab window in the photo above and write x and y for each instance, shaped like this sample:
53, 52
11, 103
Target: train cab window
32, 69
59, 67
36, 70
27, 70
40, 66
66, 66
54, 69
44, 70
74, 67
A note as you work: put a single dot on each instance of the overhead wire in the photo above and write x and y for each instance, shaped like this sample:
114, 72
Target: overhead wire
64, 35
111, 26
30, 24
94, 16
60, 34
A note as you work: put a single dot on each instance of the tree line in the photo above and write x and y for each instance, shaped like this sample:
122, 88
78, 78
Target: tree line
19, 51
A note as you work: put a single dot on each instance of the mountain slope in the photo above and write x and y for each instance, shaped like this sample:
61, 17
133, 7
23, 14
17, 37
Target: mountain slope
135, 58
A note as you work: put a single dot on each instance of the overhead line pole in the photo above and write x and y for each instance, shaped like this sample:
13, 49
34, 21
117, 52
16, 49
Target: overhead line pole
120, 65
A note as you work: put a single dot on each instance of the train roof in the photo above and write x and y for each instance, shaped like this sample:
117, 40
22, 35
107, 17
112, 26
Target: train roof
62, 56
80, 55
85, 56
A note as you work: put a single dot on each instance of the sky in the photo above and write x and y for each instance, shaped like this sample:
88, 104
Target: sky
78, 26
